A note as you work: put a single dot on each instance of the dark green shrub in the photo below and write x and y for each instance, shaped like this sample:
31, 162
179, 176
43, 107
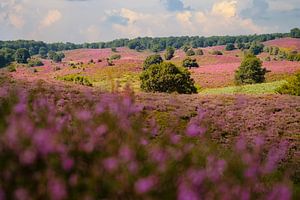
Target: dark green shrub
250, 71
166, 77
256, 48
77, 79
152, 60
169, 53
295, 33
115, 57
229, 47
189, 63
113, 49
292, 87
216, 52
35, 63
190, 52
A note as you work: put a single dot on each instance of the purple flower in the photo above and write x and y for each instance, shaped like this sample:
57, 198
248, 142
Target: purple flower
194, 130
21, 194
185, 192
110, 164
67, 163
2, 194
280, 192
57, 189
145, 185
28, 157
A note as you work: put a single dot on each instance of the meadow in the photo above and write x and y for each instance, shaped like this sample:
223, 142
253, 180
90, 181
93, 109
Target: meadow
83, 129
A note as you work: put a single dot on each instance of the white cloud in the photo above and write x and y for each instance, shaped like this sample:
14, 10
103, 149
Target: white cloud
16, 21
52, 17
91, 34
225, 8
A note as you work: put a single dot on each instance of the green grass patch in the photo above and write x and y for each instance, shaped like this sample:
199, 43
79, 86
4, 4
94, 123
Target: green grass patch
262, 88
77, 79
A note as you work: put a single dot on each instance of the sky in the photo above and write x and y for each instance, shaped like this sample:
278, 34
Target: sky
104, 20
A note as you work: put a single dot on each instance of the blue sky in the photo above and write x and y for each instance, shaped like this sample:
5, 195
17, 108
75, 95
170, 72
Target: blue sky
102, 20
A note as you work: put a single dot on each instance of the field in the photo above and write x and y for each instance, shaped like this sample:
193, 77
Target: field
182, 129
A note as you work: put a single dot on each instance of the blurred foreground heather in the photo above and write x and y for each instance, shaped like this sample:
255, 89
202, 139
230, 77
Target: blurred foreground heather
58, 146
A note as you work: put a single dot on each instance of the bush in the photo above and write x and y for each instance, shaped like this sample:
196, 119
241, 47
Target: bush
250, 71
189, 63
199, 52
35, 63
115, 57
166, 77
12, 68
295, 33
77, 79
216, 52
152, 60
292, 87
113, 49
190, 52
229, 47
169, 53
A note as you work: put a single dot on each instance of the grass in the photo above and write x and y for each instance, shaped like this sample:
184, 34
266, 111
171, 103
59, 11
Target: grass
262, 88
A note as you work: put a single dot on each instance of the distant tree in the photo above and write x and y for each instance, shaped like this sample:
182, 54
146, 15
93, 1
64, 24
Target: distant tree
35, 63
114, 49
199, 52
295, 33
169, 53
166, 77
189, 63
151, 60
241, 46
190, 52
22, 55
256, 48
43, 52
51, 55
115, 57
185, 48
229, 47
250, 71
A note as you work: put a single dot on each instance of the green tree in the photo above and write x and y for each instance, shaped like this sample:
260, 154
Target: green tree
190, 52
229, 47
256, 48
166, 77
189, 63
295, 33
43, 52
169, 53
250, 71
151, 60
22, 55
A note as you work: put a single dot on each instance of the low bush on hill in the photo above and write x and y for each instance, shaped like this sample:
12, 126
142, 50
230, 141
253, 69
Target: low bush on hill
292, 86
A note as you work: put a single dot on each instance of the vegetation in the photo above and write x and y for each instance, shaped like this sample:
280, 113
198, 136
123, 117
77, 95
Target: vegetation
169, 53
256, 48
152, 60
22, 55
216, 52
250, 71
199, 52
229, 47
295, 33
190, 52
56, 57
166, 77
115, 57
77, 79
43, 52
189, 63
291, 87
35, 62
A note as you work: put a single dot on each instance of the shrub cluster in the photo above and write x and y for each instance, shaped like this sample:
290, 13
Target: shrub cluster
35, 63
77, 79
292, 87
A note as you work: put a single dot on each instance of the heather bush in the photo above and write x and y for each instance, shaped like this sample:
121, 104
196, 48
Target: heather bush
216, 52
291, 87
152, 60
167, 77
55, 148
199, 52
250, 71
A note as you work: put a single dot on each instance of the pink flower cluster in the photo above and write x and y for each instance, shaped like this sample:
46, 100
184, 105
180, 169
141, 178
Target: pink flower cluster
53, 148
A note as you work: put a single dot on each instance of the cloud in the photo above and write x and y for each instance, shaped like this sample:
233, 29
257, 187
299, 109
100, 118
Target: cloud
91, 33
52, 17
16, 21
174, 5
225, 8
